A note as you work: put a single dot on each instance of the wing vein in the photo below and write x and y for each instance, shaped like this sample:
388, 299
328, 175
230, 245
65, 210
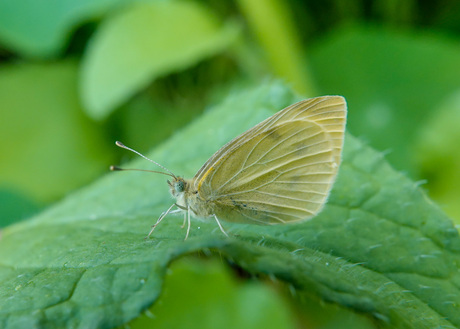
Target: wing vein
254, 163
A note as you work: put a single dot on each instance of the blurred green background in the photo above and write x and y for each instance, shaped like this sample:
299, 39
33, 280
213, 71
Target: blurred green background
77, 75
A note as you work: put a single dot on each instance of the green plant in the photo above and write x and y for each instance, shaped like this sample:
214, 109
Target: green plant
76, 76
378, 247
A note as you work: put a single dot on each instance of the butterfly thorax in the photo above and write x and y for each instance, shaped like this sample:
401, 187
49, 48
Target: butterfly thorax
187, 197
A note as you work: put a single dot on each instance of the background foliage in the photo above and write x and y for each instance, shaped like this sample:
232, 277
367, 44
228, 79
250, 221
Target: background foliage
75, 76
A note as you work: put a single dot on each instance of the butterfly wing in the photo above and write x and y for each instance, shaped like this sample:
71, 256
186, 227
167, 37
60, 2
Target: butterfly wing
282, 169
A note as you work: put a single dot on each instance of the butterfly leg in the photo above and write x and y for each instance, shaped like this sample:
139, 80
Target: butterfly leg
181, 208
220, 226
188, 226
185, 219
163, 215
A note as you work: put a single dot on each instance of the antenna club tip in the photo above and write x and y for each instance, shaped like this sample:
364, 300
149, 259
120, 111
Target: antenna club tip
115, 168
120, 144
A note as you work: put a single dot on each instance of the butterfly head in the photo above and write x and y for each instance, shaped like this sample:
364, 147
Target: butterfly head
177, 187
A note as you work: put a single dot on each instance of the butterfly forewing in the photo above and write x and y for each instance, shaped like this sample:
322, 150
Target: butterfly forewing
282, 169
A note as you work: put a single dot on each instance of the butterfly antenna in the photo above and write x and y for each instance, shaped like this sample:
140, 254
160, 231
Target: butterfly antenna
116, 168
120, 144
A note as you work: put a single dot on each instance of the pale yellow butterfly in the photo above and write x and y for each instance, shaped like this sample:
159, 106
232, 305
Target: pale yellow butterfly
278, 172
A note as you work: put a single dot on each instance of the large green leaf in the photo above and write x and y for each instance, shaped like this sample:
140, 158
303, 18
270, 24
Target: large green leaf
48, 146
143, 42
379, 246
393, 80
40, 29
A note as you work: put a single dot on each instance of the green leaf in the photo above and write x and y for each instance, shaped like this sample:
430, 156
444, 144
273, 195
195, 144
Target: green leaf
273, 25
143, 42
40, 29
15, 206
393, 81
208, 296
50, 146
436, 152
379, 246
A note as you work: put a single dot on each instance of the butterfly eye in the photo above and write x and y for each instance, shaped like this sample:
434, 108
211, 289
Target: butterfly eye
179, 186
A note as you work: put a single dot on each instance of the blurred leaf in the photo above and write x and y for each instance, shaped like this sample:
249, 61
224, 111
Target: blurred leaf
271, 22
200, 294
170, 102
437, 152
149, 40
15, 206
40, 29
146, 121
317, 314
49, 147
392, 81
203, 294
379, 246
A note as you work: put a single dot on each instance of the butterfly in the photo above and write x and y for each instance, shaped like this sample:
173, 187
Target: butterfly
280, 171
